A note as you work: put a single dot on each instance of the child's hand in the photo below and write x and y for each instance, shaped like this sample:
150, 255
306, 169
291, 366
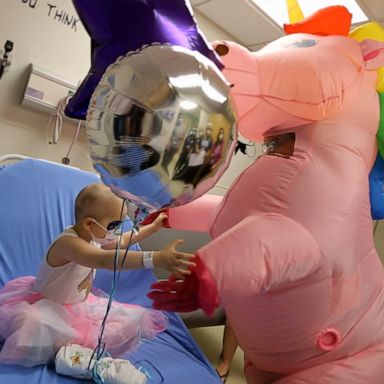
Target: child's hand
161, 216
160, 221
174, 261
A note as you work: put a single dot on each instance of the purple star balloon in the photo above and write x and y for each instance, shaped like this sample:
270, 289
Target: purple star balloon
117, 27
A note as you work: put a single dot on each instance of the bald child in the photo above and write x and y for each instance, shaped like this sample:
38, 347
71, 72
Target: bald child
97, 224
55, 314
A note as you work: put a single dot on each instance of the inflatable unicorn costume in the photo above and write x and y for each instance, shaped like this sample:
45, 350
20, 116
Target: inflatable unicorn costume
292, 258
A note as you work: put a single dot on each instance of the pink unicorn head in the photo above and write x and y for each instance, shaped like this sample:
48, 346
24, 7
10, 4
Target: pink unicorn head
299, 78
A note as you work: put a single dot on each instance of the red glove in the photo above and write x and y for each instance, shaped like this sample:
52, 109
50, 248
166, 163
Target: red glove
197, 290
152, 217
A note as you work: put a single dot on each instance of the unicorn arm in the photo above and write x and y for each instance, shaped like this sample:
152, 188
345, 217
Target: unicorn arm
260, 253
257, 254
196, 216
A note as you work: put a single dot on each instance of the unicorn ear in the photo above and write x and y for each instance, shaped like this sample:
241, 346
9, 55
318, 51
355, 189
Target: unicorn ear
373, 53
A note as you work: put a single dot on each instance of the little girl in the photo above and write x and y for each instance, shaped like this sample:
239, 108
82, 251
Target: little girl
40, 315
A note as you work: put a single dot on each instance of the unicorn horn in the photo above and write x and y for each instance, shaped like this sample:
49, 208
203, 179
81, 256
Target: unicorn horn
295, 13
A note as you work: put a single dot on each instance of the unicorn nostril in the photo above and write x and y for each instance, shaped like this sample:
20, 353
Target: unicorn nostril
221, 49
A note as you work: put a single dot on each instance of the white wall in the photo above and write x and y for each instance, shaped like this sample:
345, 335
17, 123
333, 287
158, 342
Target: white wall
42, 39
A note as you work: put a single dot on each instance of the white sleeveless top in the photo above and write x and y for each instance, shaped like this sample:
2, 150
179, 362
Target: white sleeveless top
66, 284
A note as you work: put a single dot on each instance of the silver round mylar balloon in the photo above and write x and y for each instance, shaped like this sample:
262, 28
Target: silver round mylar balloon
161, 127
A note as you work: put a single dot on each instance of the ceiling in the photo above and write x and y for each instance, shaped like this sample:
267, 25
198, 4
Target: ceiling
251, 27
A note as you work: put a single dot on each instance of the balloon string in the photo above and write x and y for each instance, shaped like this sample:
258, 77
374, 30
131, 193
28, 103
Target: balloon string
134, 227
100, 349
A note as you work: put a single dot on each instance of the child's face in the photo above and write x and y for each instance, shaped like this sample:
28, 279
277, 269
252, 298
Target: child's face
112, 220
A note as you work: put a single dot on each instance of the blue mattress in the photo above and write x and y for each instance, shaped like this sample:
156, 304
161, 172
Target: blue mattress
36, 204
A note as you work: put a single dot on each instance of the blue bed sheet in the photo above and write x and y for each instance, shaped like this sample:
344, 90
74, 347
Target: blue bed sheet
36, 204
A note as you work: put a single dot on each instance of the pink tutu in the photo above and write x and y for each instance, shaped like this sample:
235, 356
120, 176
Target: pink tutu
33, 328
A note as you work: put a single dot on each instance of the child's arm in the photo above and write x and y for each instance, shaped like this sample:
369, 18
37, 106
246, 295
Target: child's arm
79, 251
144, 231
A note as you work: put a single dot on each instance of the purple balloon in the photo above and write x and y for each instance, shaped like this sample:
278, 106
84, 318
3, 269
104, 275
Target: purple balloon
117, 27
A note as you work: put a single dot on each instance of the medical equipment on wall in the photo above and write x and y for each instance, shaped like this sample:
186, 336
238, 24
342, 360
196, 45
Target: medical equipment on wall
49, 93
4, 62
55, 122
44, 89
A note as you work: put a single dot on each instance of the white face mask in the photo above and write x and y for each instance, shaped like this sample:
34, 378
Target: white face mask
110, 234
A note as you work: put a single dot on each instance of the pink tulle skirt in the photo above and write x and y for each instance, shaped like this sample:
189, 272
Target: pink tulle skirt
33, 328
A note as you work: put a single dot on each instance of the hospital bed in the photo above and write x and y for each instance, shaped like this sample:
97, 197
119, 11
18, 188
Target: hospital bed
36, 204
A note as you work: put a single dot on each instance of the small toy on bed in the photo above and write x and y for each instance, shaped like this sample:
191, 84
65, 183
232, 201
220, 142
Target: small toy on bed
77, 361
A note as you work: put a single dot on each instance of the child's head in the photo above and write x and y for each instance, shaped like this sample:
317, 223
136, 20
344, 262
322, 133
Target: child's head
98, 210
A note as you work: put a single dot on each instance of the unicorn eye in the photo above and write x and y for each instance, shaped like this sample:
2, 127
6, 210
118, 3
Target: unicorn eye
304, 43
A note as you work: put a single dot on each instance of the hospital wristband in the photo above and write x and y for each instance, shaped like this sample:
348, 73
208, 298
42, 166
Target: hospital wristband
148, 259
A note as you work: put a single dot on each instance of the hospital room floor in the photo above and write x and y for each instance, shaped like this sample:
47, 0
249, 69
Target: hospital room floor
209, 339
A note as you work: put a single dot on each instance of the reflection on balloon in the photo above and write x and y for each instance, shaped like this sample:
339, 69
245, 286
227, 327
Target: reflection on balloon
161, 127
